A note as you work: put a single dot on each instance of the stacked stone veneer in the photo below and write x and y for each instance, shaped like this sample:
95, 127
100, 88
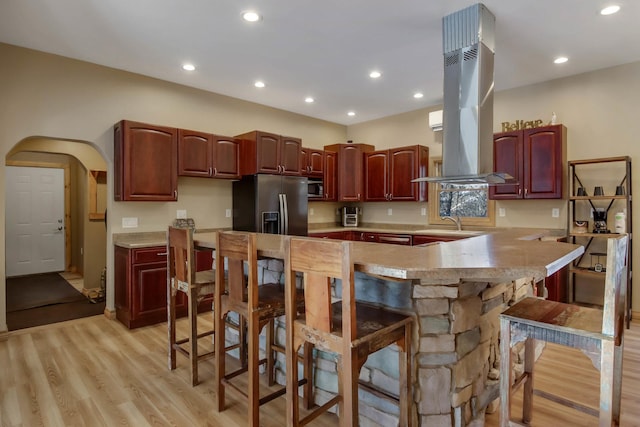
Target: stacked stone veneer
456, 348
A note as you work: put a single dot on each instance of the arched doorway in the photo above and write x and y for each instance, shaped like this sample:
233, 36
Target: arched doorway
84, 221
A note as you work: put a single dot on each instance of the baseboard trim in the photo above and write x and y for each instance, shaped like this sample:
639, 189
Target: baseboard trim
4, 335
109, 314
635, 315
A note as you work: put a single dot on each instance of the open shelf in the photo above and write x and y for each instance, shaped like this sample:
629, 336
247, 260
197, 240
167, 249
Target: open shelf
612, 178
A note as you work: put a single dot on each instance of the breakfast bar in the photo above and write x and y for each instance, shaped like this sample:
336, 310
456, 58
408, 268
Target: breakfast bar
456, 291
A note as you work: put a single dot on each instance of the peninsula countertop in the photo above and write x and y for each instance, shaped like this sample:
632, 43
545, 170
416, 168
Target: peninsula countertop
498, 254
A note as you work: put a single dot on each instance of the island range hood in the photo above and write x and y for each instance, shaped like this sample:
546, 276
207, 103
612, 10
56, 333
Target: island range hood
468, 39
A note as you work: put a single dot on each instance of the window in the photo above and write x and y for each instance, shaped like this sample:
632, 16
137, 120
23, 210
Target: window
470, 202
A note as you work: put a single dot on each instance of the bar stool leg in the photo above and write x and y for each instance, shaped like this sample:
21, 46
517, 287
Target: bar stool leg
405, 376
172, 327
529, 361
193, 335
505, 373
269, 352
606, 382
219, 339
254, 364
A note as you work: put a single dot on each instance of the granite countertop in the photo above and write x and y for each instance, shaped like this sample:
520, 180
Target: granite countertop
498, 254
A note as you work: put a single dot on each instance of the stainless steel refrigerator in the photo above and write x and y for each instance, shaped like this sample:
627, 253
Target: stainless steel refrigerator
270, 204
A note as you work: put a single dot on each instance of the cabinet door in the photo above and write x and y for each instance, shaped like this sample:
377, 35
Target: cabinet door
543, 162
226, 155
507, 157
290, 158
330, 176
304, 161
122, 292
405, 165
376, 176
145, 162
268, 153
149, 292
316, 163
350, 174
194, 153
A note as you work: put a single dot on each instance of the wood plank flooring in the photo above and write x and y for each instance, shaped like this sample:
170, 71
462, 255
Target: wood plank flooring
95, 372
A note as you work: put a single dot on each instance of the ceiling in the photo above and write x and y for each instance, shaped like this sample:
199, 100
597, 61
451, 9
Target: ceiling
324, 49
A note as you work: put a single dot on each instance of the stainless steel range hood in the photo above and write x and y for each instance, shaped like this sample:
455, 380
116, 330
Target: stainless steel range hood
468, 38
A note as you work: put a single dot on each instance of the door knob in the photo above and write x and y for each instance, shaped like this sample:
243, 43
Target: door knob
59, 228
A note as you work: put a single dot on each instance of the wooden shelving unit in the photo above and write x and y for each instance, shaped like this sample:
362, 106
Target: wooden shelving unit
611, 174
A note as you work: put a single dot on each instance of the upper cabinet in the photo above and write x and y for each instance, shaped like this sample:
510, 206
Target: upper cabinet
312, 163
206, 155
350, 170
145, 162
263, 152
388, 174
535, 157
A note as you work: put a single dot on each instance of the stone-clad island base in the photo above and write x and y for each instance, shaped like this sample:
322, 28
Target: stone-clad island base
456, 291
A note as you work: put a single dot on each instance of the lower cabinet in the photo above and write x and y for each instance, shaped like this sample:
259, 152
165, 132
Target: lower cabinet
141, 285
556, 285
421, 239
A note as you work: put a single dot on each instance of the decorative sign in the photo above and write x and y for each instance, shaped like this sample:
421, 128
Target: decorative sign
521, 124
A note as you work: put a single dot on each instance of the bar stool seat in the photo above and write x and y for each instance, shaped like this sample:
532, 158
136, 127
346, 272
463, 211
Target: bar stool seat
598, 333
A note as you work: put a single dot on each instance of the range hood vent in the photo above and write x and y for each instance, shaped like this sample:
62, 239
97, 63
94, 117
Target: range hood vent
468, 39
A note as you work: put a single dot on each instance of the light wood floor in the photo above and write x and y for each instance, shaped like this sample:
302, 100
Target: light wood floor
95, 372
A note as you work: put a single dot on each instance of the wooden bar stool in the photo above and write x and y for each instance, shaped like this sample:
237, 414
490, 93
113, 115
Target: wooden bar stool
182, 276
599, 333
350, 329
258, 305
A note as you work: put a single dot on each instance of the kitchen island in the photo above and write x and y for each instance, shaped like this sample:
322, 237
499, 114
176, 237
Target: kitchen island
456, 291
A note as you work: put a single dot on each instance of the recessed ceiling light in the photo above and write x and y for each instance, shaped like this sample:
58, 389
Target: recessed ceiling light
560, 60
610, 10
375, 74
351, 113
259, 84
188, 67
418, 95
309, 100
251, 16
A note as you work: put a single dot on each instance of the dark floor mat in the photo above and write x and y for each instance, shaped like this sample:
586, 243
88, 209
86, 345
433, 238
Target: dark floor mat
53, 314
39, 290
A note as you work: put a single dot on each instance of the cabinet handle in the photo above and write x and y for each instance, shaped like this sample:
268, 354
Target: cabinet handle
210, 171
526, 191
215, 171
519, 191
161, 254
358, 196
175, 194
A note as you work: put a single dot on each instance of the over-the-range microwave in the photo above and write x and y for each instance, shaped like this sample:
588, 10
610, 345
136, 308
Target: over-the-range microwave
316, 189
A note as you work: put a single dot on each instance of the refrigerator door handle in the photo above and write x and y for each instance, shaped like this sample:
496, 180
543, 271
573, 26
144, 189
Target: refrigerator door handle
282, 213
285, 214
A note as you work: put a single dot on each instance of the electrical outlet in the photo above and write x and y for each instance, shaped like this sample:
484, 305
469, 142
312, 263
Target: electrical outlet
423, 211
227, 213
129, 222
389, 211
311, 211
181, 214
502, 212
555, 212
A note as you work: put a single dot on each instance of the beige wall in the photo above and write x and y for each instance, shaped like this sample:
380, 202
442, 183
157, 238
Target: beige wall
600, 110
53, 97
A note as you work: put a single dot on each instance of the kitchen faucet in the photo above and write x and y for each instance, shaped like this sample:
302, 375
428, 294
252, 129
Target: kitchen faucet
456, 221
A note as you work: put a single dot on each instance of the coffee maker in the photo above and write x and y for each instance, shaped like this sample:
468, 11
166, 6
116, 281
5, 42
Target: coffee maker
600, 221
350, 216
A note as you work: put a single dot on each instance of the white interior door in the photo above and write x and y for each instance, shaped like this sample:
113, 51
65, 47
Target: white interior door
34, 221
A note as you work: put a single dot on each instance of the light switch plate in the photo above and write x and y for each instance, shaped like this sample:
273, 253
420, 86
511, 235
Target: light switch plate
555, 212
423, 211
181, 214
389, 211
227, 213
502, 212
129, 222
311, 211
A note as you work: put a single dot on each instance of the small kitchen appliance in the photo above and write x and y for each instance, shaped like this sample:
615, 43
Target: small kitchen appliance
350, 216
600, 221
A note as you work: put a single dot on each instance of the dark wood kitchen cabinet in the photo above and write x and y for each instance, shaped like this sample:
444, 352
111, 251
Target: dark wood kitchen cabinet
535, 157
312, 164
140, 278
330, 176
145, 162
350, 170
388, 174
206, 155
263, 152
